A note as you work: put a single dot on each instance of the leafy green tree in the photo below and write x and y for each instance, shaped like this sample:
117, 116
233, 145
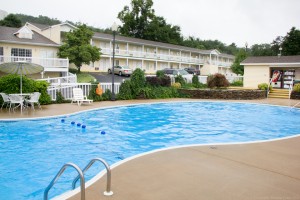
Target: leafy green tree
239, 57
11, 20
40, 19
262, 50
77, 47
291, 43
140, 21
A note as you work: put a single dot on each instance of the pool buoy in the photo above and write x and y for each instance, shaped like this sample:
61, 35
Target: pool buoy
83, 126
103, 132
73, 122
78, 124
62, 120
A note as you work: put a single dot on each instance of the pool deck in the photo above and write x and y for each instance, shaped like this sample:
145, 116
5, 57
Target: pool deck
265, 170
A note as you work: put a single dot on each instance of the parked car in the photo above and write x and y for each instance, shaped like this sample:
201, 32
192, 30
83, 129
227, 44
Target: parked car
121, 70
192, 70
175, 72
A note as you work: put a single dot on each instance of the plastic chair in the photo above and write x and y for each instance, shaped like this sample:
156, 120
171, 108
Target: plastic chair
79, 97
17, 101
6, 100
34, 98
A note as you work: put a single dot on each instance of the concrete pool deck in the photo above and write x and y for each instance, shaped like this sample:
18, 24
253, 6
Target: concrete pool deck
267, 170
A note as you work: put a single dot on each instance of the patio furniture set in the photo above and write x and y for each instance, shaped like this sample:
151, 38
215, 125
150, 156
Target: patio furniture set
22, 101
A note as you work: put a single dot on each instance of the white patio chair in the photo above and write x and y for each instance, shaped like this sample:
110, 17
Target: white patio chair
34, 98
79, 97
16, 101
6, 100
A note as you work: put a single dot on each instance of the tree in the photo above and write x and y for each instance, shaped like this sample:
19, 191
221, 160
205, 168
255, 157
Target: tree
140, 21
262, 50
239, 57
40, 19
77, 47
291, 43
11, 20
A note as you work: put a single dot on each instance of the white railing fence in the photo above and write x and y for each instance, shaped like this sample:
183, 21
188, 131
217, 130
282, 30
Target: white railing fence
70, 78
47, 63
232, 79
66, 89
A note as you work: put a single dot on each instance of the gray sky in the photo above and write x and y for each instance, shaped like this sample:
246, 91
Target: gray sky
239, 21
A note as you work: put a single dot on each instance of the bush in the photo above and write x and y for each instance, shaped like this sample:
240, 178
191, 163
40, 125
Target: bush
125, 92
217, 80
138, 81
59, 98
159, 92
160, 73
180, 79
106, 95
176, 85
237, 83
296, 87
153, 81
11, 84
163, 81
264, 86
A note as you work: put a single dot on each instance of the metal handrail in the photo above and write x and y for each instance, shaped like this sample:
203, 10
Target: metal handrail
108, 191
82, 182
268, 90
291, 87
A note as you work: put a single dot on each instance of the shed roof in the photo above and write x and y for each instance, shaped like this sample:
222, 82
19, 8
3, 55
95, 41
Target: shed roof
271, 60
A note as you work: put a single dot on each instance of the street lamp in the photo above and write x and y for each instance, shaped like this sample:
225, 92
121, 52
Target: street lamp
114, 29
246, 45
280, 49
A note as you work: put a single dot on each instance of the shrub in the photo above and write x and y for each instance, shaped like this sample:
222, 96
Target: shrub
159, 92
160, 73
237, 83
165, 81
296, 87
93, 95
217, 80
59, 98
263, 86
106, 95
153, 81
11, 84
180, 79
138, 81
176, 85
125, 92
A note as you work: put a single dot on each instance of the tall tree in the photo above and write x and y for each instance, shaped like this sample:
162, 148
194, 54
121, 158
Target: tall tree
236, 67
262, 50
291, 43
140, 21
136, 20
77, 47
11, 20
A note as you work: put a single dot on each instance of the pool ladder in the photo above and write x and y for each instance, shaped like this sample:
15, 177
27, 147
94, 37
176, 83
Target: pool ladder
80, 176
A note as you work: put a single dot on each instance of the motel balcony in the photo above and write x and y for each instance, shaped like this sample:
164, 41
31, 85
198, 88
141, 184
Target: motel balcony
49, 64
151, 56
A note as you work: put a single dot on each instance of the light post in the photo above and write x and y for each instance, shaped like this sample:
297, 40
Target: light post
246, 45
114, 29
280, 49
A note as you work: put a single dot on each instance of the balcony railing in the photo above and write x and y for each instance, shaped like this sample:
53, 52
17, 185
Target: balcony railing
154, 56
49, 64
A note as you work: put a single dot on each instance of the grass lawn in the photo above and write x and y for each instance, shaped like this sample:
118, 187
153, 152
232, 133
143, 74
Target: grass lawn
84, 78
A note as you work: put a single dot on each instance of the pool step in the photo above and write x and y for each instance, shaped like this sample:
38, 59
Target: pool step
279, 93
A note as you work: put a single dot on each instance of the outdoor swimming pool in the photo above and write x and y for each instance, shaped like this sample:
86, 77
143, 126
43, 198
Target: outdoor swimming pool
32, 151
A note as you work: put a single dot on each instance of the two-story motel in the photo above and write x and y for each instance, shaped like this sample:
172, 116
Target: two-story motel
39, 43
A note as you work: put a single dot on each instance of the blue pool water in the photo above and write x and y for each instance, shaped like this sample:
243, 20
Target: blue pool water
32, 151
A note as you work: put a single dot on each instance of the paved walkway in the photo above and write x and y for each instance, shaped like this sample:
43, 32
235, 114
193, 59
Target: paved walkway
269, 170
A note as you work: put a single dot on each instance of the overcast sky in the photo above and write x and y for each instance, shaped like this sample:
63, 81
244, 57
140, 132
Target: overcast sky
238, 21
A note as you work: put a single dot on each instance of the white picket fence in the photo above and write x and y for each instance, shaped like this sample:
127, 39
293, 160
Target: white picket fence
66, 89
70, 78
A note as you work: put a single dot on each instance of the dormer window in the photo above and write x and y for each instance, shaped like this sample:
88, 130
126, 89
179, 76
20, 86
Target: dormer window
24, 33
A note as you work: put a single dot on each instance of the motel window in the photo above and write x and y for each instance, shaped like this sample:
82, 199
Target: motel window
117, 63
21, 52
1, 51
